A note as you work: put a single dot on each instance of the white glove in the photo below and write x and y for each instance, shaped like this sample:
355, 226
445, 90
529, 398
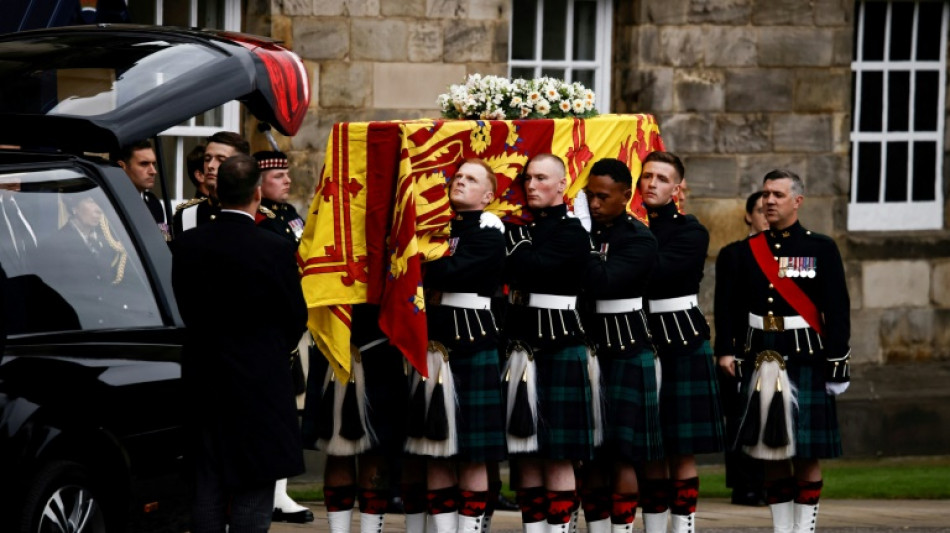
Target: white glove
834, 389
489, 220
582, 209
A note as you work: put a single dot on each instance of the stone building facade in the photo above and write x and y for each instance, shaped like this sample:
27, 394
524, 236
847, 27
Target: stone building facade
739, 87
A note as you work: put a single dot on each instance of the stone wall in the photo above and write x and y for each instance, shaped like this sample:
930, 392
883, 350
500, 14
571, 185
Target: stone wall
377, 60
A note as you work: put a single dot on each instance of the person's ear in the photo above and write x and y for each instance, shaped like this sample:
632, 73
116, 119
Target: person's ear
627, 195
122, 165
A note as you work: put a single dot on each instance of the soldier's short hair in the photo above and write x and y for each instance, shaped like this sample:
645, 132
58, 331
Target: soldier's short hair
231, 139
551, 157
670, 159
615, 168
238, 176
195, 162
751, 201
798, 187
125, 153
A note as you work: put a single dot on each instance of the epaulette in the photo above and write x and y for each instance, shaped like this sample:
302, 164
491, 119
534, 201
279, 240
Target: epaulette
189, 203
267, 212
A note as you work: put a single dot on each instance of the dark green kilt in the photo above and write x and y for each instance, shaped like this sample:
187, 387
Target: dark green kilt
689, 401
564, 404
481, 417
633, 431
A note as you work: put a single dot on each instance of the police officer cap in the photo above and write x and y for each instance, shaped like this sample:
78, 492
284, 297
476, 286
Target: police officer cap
270, 160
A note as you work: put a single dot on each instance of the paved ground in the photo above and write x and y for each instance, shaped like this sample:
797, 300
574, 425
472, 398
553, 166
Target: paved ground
836, 516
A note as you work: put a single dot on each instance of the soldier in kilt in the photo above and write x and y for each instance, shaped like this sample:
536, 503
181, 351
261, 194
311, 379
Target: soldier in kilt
794, 302
625, 253
550, 425
462, 328
689, 394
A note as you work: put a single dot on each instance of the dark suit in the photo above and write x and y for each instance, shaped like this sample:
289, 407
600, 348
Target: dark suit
235, 365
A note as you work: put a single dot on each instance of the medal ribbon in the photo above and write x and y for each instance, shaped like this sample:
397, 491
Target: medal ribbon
787, 288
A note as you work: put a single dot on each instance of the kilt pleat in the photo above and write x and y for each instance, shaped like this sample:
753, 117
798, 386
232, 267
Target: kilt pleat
689, 402
633, 425
481, 417
565, 425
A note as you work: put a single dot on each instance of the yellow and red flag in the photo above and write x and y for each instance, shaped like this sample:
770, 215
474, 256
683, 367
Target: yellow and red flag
381, 209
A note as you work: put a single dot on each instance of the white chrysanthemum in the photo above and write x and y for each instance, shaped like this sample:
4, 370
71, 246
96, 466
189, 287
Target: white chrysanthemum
525, 111
534, 97
543, 107
578, 106
515, 101
551, 94
565, 106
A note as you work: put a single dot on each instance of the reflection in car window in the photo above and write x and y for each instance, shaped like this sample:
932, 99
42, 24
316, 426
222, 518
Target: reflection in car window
69, 262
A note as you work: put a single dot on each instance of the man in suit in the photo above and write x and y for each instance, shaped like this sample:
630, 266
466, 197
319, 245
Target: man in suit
204, 206
139, 163
243, 426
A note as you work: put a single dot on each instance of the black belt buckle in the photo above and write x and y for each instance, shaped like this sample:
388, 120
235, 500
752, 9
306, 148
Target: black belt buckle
773, 323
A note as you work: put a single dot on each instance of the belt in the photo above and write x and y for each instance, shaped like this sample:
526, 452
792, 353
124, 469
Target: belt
668, 305
777, 323
543, 301
466, 300
613, 307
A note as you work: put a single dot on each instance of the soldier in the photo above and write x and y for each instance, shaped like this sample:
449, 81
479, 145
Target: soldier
616, 279
795, 298
204, 206
276, 215
545, 269
139, 163
689, 400
461, 325
743, 473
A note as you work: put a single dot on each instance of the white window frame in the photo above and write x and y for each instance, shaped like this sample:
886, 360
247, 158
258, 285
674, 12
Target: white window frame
907, 215
602, 50
230, 112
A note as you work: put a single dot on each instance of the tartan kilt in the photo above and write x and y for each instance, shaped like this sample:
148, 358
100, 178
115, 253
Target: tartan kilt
689, 401
565, 422
633, 431
816, 419
481, 418
387, 397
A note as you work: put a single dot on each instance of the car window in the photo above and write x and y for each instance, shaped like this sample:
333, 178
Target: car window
68, 260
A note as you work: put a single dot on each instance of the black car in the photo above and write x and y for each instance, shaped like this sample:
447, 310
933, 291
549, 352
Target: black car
90, 393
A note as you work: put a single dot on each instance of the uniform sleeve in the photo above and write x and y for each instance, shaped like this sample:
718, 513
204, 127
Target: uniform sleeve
683, 256
836, 306
628, 261
295, 307
474, 255
567, 249
725, 305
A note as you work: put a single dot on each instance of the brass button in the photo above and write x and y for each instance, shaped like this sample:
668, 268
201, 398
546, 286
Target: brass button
777, 246
771, 300
771, 286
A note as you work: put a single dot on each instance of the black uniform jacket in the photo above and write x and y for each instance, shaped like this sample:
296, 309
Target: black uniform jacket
208, 209
553, 263
627, 255
284, 222
154, 206
727, 343
828, 289
475, 265
236, 369
683, 243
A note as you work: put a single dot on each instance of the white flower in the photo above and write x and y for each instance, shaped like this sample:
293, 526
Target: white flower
488, 97
543, 107
578, 106
551, 93
565, 106
534, 97
515, 101
525, 111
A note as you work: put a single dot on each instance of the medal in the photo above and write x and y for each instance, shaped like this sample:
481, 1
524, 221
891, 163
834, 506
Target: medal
793, 271
782, 265
811, 266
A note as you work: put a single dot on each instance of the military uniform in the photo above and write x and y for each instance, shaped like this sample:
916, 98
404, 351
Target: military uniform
764, 320
158, 212
616, 278
194, 212
281, 218
459, 289
689, 399
545, 271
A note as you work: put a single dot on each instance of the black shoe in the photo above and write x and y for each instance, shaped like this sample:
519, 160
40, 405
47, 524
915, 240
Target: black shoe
299, 517
504, 504
752, 498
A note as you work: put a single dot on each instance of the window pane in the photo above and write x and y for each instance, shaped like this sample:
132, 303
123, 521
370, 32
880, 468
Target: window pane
869, 172
553, 73
522, 72
895, 187
925, 173
81, 273
213, 117
554, 31
871, 101
925, 100
902, 22
142, 11
585, 29
211, 13
928, 30
585, 77
176, 13
523, 29
898, 98
854, 88
874, 15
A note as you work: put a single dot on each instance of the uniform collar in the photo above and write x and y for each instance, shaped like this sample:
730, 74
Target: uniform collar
664, 212
790, 231
554, 211
271, 204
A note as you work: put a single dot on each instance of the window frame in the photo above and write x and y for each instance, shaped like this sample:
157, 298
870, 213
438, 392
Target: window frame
602, 52
909, 214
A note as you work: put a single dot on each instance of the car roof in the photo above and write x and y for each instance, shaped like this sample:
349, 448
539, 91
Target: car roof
97, 88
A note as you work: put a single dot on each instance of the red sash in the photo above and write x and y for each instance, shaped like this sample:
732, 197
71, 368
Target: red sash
786, 287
